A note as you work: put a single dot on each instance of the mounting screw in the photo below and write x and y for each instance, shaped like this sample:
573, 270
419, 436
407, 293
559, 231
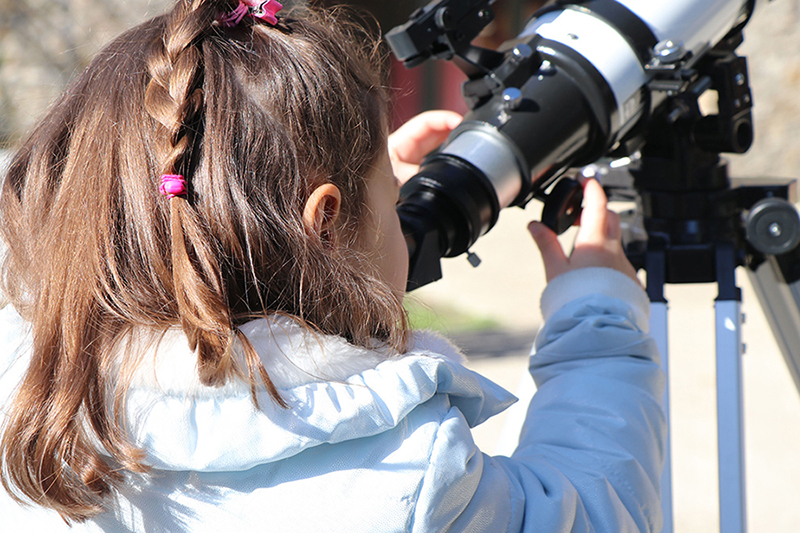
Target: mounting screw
520, 52
669, 51
512, 98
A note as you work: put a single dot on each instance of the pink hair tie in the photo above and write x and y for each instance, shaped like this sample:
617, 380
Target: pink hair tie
261, 9
172, 185
234, 17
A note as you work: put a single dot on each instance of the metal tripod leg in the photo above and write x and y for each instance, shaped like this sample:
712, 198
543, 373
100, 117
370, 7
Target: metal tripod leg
730, 413
659, 330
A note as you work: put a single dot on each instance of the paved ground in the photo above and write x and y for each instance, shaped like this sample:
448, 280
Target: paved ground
507, 285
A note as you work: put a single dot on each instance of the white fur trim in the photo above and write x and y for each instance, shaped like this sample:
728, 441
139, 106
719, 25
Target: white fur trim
291, 354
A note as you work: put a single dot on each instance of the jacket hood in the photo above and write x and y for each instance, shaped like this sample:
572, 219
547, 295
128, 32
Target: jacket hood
335, 392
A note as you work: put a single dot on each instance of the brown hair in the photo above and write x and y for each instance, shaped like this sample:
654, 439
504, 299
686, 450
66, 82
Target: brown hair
255, 117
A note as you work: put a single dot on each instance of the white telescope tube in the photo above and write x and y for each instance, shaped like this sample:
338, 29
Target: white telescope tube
694, 24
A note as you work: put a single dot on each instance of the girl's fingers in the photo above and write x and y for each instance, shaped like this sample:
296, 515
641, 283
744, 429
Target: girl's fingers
594, 222
415, 139
553, 256
596, 245
613, 227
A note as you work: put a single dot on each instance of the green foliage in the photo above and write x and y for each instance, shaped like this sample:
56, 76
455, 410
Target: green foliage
445, 319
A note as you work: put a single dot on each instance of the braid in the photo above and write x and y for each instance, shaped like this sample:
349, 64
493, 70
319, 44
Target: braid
174, 98
174, 95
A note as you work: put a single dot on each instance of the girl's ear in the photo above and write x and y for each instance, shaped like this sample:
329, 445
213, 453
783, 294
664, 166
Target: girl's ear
322, 209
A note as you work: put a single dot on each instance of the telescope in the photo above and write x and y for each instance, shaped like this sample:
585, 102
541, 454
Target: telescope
582, 81
590, 82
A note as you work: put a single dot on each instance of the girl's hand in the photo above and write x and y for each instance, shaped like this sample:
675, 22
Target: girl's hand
596, 245
416, 138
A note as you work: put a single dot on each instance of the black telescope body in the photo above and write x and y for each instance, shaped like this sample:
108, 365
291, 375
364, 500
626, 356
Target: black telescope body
582, 81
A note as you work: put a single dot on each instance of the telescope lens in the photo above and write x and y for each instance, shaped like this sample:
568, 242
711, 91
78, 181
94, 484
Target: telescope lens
443, 211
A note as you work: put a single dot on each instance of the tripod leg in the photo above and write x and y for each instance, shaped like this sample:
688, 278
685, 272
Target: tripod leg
730, 415
659, 322
781, 304
659, 330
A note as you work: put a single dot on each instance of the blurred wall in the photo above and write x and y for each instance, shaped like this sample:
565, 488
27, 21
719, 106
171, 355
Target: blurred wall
44, 42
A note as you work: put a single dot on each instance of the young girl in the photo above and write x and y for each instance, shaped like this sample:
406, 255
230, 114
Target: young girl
206, 330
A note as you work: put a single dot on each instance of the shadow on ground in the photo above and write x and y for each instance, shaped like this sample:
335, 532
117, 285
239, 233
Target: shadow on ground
494, 342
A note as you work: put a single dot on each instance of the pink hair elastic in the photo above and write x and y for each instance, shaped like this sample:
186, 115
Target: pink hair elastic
261, 9
172, 185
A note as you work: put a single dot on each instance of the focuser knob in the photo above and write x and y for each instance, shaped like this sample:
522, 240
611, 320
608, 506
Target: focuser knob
512, 98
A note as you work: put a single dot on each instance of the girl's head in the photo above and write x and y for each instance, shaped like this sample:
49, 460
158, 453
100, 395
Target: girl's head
256, 118
280, 134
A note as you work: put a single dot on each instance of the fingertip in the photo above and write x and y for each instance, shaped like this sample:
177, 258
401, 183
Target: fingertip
553, 256
593, 188
439, 119
537, 229
594, 201
453, 119
591, 183
544, 237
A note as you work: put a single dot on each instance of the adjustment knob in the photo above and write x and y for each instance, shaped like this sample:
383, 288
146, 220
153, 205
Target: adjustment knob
562, 207
773, 226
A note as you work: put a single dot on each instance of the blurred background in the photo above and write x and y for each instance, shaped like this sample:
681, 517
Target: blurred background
43, 43
492, 311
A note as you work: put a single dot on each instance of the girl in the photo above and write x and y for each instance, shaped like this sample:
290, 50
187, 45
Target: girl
206, 273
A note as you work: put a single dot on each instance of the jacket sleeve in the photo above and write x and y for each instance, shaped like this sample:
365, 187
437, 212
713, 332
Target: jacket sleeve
591, 449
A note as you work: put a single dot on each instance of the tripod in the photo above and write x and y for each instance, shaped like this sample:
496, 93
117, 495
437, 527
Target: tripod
701, 226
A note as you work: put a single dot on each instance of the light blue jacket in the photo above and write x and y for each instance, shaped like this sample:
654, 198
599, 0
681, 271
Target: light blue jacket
375, 442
